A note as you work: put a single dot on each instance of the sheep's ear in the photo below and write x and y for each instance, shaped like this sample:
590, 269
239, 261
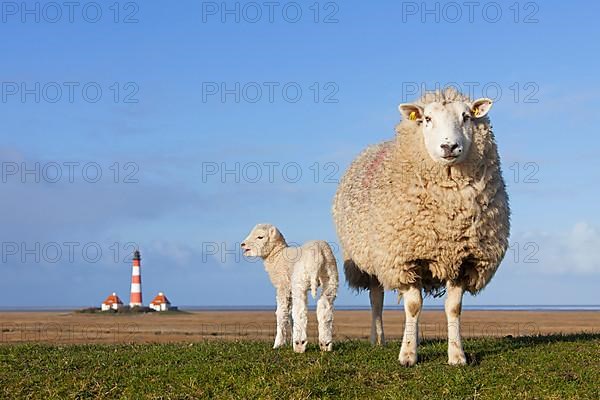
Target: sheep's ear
411, 112
480, 107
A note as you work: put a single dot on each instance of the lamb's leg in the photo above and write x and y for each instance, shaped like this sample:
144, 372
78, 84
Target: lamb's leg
325, 316
287, 319
299, 317
376, 296
453, 306
413, 301
283, 319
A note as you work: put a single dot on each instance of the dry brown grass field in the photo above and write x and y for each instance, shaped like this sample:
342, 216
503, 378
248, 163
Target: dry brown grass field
75, 328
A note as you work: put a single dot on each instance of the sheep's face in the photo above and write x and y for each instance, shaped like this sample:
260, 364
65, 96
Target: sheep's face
261, 241
447, 128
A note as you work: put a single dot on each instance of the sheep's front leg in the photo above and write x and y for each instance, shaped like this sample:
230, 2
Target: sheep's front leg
283, 319
376, 297
453, 307
413, 301
300, 317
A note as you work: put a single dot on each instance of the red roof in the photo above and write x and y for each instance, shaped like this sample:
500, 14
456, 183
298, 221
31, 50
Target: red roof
112, 299
160, 299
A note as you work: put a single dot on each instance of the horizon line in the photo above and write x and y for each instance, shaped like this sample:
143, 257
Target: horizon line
350, 307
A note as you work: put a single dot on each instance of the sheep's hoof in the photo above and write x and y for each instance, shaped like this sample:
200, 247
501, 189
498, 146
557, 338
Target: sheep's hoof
278, 345
408, 359
300, 346
326, 346
457, 359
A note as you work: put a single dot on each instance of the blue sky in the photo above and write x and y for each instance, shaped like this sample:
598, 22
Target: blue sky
159, 122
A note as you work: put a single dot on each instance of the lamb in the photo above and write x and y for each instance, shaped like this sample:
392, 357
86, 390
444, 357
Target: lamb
294, 270
427, 211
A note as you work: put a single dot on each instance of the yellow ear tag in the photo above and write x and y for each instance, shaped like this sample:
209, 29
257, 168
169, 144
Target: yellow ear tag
476, 112
412, 116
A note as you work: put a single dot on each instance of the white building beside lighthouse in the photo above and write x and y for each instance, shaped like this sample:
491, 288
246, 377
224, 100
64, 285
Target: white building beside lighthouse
112, 302
160, 303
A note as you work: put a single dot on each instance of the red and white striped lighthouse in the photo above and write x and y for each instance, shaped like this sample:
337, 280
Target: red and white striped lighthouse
135, 300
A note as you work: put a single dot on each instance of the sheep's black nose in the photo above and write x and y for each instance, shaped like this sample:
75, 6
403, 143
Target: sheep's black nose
449, 148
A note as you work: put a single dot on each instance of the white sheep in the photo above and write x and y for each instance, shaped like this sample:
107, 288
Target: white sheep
426, 211
293, 271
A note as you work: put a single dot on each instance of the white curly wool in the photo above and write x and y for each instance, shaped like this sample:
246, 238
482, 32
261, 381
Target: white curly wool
293, 271
426, 211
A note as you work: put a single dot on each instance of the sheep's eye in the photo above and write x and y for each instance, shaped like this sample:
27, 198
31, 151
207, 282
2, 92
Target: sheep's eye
466, 117
260, 237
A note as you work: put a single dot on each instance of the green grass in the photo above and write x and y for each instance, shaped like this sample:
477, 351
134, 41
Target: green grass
543, 367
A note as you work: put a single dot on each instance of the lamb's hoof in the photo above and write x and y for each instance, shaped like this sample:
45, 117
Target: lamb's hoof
377, 341
278, 345
300, 346
326, 346
457, 359
408, 359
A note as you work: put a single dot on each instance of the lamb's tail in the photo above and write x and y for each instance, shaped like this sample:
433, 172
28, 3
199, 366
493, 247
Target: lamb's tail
314, 284
326, 274
320, 261
330, 287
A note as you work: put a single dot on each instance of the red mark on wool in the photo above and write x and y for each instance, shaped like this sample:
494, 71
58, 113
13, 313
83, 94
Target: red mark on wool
372, 168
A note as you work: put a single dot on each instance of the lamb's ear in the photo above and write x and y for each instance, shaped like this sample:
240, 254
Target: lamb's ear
274, 232
411, 112
480, 107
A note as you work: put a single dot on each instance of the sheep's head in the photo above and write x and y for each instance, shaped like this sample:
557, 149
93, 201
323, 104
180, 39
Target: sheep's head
262, 240
447, 127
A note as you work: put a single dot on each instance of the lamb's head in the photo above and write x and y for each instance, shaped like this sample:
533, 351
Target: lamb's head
447, 126
262, 240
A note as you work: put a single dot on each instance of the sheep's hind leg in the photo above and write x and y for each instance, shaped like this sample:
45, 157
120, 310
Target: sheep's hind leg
376, 297
453, 307
283, 319
413, 301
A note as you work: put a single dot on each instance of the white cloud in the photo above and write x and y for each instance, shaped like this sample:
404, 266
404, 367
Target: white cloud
177, 253
575, 251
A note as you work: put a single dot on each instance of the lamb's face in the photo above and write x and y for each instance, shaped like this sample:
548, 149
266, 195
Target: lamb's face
261, 240
447, 128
